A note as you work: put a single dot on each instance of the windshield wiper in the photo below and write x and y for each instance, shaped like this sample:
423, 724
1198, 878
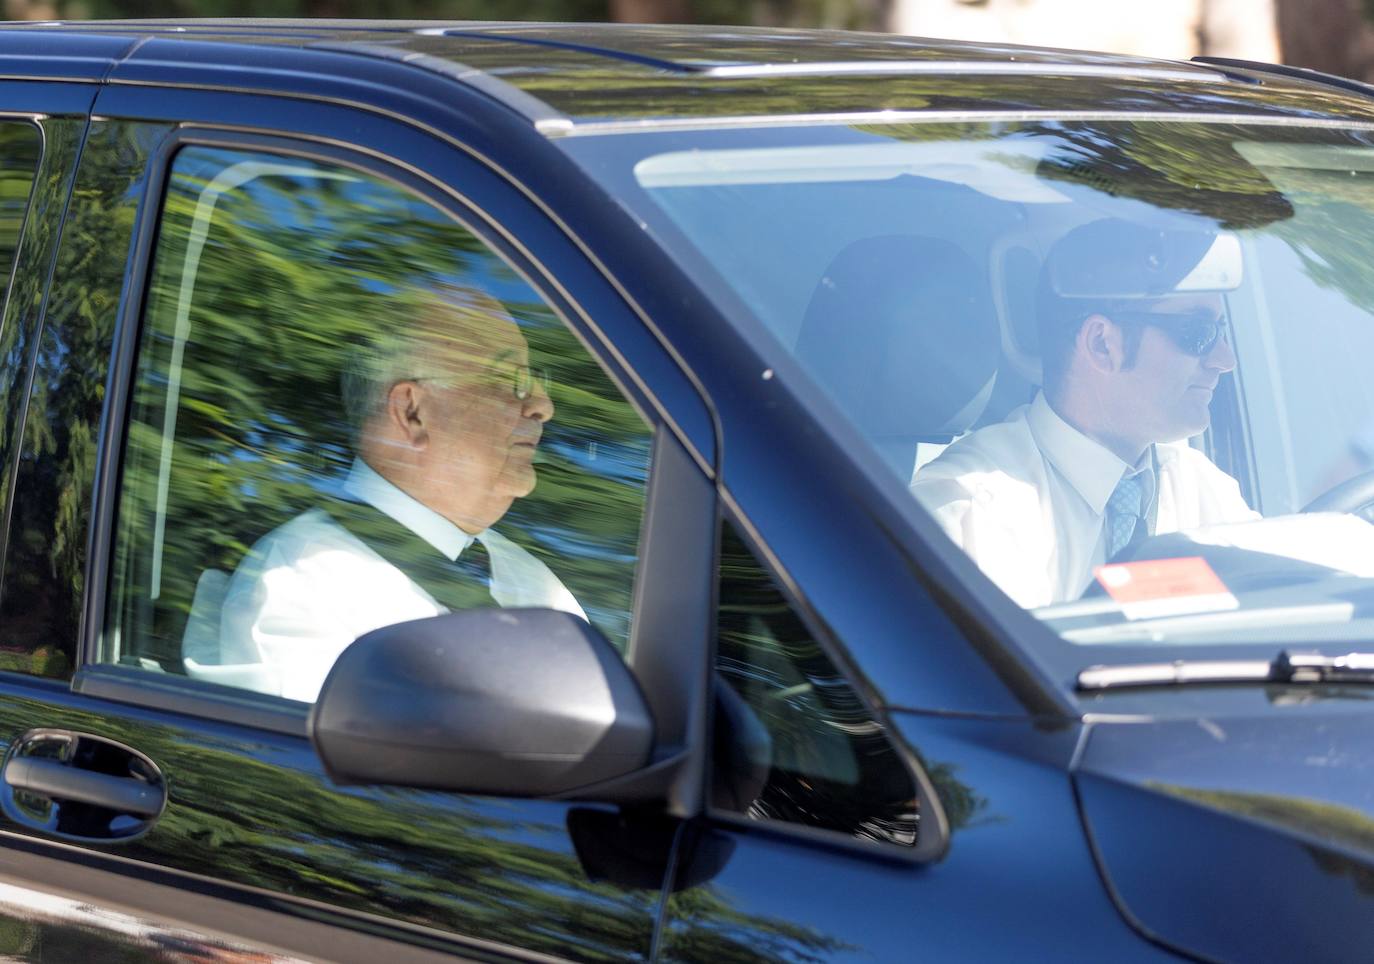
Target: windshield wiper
1287, 667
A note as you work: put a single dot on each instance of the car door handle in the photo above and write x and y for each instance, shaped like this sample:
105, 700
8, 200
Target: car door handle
80, 787
57, 780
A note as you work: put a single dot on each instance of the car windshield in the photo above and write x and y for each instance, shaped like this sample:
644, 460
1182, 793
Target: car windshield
1122, 364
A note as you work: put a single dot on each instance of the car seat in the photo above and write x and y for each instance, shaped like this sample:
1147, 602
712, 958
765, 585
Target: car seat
201, 648
902, 333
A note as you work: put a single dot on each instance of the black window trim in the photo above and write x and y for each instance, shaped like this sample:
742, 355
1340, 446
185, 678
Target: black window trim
190, 697
656, 571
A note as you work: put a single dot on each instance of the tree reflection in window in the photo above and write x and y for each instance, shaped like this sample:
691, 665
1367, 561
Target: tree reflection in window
269, 271
827, 761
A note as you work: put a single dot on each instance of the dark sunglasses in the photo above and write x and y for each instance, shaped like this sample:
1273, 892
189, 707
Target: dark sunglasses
1194, 332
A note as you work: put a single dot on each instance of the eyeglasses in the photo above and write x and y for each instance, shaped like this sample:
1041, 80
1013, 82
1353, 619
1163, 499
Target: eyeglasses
523, 379
1194, 332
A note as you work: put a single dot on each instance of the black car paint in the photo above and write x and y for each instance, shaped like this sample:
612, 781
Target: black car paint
380, 870
252, 821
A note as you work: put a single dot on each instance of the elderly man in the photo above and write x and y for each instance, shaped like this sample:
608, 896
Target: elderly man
1133, 344
447, 417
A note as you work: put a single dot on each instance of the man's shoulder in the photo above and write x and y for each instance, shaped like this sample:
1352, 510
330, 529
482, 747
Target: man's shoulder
1181, 457
991, 448
311, 563
311, 529
304, 541
1197, 491
303, 525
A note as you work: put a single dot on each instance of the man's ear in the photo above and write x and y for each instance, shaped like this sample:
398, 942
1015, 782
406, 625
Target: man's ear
1102, 344
406, 413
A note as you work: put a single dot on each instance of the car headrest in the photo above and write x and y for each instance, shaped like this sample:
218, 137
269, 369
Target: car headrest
902, 332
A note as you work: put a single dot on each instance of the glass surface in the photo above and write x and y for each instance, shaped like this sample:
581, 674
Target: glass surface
1077, 343
799, 745
20, 146
347, 413
46, 484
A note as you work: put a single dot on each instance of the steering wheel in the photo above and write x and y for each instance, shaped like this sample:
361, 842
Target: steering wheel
1354, 495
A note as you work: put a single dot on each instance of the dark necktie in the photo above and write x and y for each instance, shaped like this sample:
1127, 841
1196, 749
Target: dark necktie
464, 584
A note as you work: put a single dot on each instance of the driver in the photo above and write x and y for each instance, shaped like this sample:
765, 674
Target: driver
1133, 343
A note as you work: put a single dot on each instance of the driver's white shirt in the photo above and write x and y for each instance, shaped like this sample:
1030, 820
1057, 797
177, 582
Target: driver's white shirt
1026, 499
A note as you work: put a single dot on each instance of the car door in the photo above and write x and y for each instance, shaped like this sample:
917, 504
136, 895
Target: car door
217, 272
870, 833
42, 128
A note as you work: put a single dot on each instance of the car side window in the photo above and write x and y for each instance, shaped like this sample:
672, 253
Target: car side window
794, 741
21, 147
347, 412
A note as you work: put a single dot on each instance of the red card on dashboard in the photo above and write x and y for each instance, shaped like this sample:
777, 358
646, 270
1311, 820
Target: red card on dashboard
1165, 587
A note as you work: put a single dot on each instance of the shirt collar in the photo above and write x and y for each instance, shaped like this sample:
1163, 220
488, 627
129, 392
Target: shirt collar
1090, 467
364, 483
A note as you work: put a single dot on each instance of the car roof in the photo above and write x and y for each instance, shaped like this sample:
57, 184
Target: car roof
600, 78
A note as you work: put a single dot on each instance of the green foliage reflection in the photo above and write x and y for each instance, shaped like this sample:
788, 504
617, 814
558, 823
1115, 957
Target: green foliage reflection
44, 561
268, 273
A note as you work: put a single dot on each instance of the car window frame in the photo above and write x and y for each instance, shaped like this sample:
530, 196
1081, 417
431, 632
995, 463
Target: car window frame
20, 417
677, 492
931, 844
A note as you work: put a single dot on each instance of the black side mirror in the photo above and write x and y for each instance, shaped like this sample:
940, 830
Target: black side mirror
511, 702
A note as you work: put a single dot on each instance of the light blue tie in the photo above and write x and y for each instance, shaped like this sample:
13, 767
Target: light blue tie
1123, 513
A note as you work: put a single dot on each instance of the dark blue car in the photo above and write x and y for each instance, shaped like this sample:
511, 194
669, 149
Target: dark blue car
527, 492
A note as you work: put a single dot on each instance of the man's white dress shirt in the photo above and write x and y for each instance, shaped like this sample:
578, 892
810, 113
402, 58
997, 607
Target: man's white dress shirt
310, 587
1026, 499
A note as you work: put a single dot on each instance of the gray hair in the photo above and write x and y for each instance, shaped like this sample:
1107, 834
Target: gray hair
403, 352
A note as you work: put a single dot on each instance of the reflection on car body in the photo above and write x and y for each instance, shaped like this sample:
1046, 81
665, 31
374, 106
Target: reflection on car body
923, 490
